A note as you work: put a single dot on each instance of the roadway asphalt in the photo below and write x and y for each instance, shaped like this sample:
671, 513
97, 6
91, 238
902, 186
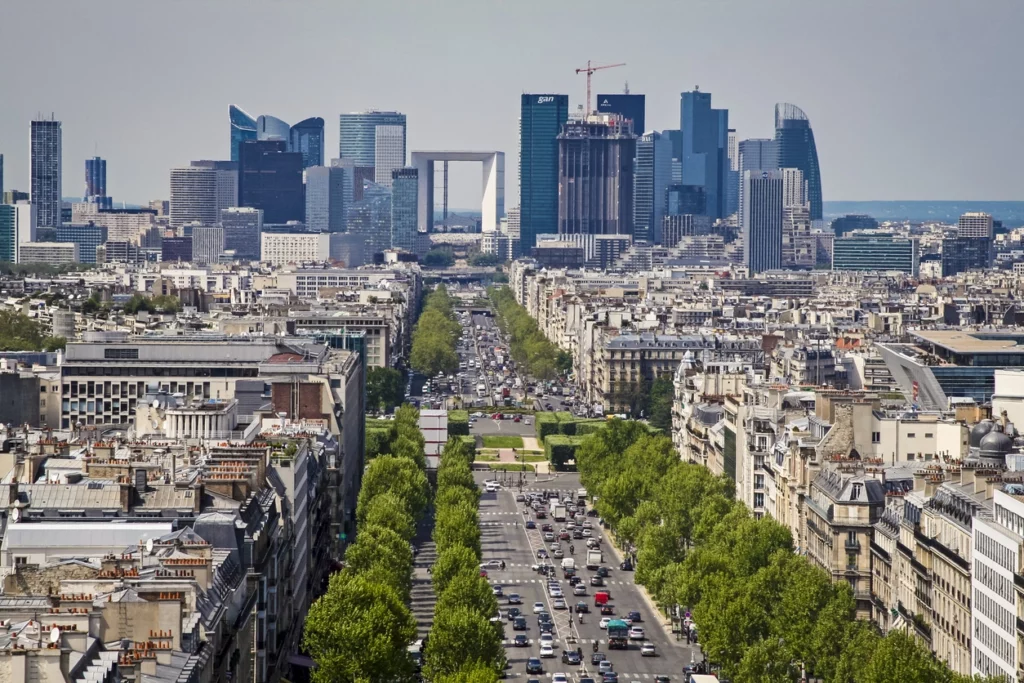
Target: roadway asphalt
504, 537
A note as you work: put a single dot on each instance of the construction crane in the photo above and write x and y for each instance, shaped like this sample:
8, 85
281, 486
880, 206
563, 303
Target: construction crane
589, 70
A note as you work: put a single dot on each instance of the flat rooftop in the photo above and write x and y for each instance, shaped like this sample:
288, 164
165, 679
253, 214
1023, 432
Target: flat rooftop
959, 341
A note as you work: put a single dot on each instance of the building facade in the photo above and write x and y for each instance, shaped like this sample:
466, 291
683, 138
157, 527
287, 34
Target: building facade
358, 134
193, 196
851, 222
49, 253
794, 142
404, 200
87, 236
653, 176
388, 152
17, 226
703, 151
45, 169
762, 220
96, 180
540, 122
242, 229
207, 244
243, 128
307, 138
627, 105
327, 188
876, 252
282, 248
270, 178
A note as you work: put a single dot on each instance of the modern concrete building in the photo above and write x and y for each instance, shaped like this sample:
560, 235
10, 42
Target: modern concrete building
193, 196
388, 152
492, 206
975, 224
226, 181
281, 248
88, 236
872, 252
45, 170
762, 220
207, 244
49, 253
851, 222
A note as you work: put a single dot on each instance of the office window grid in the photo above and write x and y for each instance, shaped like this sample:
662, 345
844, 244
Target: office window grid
992, 640
995, 612
993, 581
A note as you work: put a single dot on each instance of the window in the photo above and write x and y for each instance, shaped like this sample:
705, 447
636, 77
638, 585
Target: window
928, 435
911, 435
876, 437
20, 560
121, 354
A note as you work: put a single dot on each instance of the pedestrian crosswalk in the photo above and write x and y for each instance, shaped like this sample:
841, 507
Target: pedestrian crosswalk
512, 581
628, 677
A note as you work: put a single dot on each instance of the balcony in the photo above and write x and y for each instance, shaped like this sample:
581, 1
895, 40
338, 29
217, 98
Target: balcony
853, 545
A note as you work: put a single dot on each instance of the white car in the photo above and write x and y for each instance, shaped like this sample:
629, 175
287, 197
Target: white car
559, 603
556, 593
538, 607
547, 651
559, 678
636, 633
493, 488
647, 650
547, 640
491, 564
579, 589
604, 622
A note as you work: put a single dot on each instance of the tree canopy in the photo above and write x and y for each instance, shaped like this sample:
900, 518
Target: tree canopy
527, 344
18, 332
384, 389
435, 336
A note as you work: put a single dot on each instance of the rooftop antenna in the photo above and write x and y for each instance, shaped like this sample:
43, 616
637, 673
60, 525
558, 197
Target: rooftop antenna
625, 88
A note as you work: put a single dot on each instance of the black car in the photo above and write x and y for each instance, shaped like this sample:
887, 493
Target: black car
634, 616
534, 666
662, 679
587, 680
626, 566
519, 624
544, 618
596, 581
546, 627
521, 641
514, 599
602, 572
514, 612
571, 657
530, 524
597, 658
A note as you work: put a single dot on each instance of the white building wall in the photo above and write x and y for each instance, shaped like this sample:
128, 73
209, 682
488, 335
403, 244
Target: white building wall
996, 553
282, 248
389, 153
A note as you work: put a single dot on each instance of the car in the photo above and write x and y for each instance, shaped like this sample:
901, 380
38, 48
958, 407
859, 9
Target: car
579, 589
547, 640
483, 573
514, 599
577, 534
582, 608
559, 603
596, 581
542, 553
647, 650
587, 525
530, 524
559, 678
626, 566
521, 641
575, 580
602, 572
559, 554
517, 418
546, 527
604, 622
554, 547
498, 591
636, 633
662, 679
519, 624
541, 514
634, 616
592, 543
534, 666
491, 564
571, 657
597, 658
544, 617
585, 533
610, 677
556, 593
604, 666
513, 612
538, 607
546, 651
548, 536
563, 535
520, 498
607, 609
546, 627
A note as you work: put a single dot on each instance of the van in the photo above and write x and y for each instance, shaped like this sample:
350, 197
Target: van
601, 598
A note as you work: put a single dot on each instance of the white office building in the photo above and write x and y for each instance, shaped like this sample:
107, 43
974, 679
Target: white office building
207, 243
328, 193
281, 248
50, 253
193, 196
389, 153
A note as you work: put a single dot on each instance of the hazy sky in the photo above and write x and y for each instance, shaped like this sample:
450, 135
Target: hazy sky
909, 99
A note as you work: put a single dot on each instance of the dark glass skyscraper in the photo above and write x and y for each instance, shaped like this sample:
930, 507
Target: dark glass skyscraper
653, 176
705, 149
243, 127
540, 122
95, 178
628, 105
404, 219
851, 222
595, 176
270, 178
794, 144
762, 220
45, 160
307, 138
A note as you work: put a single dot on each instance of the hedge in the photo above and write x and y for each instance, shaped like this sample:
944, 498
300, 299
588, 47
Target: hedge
546, 424
470, 442
560, 449
458, 423
378, 440
590, 427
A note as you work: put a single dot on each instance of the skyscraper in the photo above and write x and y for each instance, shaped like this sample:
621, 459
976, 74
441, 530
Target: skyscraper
1, 175
270, 178
326, 190
226, 180
207, 243
704, 153
307, 138
851, 222
271, 128
358, 132
404, 219
681, 200
45, 161
628, 105
762, 220
974, 224
95, 180
794, 143
370, 217
243, 127
540, 122
653, 176
193, 196
388, 152
242, 227
755, 154
17, 225
732, 197
595, 176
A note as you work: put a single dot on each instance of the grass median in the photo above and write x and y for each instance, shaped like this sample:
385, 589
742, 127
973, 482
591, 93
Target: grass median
498, 441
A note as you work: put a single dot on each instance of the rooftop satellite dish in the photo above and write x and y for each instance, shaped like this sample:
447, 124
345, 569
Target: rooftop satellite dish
149, 546
54, 634
15, 515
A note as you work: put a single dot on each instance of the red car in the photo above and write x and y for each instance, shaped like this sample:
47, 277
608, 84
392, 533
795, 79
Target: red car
517, 418
541, 514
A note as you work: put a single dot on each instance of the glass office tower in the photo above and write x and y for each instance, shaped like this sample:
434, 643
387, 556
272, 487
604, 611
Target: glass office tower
404, 221
627, 105
45, 160
270, 178
540, 122
307, 138
704, 152
358, 133
794, 145
651, 181
243, 127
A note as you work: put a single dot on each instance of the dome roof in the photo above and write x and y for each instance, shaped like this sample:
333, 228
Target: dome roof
995, 445
979, 431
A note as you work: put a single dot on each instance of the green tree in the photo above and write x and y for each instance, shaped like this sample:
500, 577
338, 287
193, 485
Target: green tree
662, 395
377, 546
409, 449
468, 589
900, 658
452, 562
18, 332
438, 258
470, 674
384, 388
358, 631
482, 260
462, 637
457, 525
767, 661
387, 510
396, 475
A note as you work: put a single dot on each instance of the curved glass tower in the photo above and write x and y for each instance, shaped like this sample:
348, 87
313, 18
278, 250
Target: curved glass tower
794, 144
272, 128
307, 138
243, 127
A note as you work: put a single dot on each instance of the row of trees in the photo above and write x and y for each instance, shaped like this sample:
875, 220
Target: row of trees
436, 335
18, 332
529, 347
464, 645
384, 389
360, 629
765, 614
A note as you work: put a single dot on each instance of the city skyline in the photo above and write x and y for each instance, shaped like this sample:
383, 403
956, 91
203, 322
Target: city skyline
913, 147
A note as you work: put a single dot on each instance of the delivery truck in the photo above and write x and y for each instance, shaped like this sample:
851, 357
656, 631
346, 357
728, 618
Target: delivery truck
594, 559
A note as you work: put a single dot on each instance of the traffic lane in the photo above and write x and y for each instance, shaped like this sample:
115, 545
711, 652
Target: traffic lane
486, 426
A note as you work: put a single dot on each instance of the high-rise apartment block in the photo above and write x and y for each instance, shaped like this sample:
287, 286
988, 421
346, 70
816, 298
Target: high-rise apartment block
876, 253
225, 179
794, 144
46, 168
762, 220
652, 178
704, 149
17, 226
540, 122
975, 224
88, 236
193, 196
595, 176
1, 175
326, 191
242, 228
270, 178
207, 243
404, 217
